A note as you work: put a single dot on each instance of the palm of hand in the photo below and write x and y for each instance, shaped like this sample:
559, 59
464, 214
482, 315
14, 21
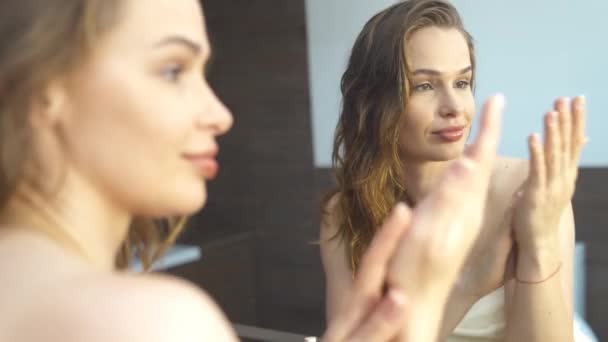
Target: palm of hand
538, 212
552, 175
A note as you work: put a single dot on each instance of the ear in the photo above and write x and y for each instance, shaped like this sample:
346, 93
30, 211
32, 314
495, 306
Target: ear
50, 105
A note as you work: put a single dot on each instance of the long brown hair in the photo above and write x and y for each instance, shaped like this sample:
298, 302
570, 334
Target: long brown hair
41, 40
375, 90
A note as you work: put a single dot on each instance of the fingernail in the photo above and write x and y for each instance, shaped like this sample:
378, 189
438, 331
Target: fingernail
397, 297
581, 101
462, 167
586, 140
535, 138
397, 302
499, 101
400, 205
400, 209
553, 117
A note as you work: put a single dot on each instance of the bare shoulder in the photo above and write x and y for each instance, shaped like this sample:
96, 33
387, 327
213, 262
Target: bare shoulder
127, 308
334, 254
334, 257
330, 221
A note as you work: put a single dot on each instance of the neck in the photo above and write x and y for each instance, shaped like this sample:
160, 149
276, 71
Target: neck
422, 176
75, 217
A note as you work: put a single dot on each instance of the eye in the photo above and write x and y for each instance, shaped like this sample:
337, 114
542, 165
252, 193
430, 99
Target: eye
172, 72
423, 87
463, 84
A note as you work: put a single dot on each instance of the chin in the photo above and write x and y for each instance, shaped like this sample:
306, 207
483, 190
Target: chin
196, 201
188, 201
181, 198
447, 153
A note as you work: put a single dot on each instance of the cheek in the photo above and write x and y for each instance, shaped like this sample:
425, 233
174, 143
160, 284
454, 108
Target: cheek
411, 134
128, 126
129, 141
163, 182
418, 119
470, 106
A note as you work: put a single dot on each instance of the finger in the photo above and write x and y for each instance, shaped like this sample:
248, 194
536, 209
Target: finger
384, 322
347, 320
369, 282
463, 179
371, 276
552, 145
372, 271
444, 219
578, 127
537, 173
563, 107
483, 149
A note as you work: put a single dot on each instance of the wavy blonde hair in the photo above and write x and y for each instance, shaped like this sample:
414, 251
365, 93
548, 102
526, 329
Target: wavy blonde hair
375, 89
40, 40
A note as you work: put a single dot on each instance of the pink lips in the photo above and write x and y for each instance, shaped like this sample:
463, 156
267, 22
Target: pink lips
205, 162
450, 133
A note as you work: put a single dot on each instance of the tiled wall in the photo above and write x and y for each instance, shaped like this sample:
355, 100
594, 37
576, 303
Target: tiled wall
264, 193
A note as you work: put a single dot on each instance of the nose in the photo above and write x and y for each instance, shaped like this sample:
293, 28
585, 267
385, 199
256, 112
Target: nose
214, 114
450, 104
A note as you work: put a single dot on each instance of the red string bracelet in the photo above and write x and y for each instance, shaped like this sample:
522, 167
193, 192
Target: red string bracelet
540, 281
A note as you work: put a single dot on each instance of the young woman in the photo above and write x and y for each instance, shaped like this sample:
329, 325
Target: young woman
407, 111
107, 125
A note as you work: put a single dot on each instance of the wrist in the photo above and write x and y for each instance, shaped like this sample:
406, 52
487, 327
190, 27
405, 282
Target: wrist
425, 323
536, 246
462, 297
538, 263
458, 304
432, 300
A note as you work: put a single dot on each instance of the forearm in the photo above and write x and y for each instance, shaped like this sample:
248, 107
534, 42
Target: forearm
457, 307
425, 321
424, 324
538, 311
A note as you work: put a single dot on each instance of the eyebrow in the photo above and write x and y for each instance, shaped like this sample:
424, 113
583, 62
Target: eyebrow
438, 73
183, 41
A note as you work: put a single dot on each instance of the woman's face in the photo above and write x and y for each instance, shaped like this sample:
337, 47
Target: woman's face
441, 105
139, 121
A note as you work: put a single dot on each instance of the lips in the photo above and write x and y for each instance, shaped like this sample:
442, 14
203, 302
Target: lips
204, 162
450, 133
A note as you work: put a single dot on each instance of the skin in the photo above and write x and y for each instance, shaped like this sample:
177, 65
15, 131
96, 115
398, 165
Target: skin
441, 95
442, 221
114, 139
543, 225
523, 211
115, 131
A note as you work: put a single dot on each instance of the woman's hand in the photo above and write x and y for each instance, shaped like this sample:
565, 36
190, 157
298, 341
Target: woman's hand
373, 312
444, 227
489, 263
447, 222
552, 178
